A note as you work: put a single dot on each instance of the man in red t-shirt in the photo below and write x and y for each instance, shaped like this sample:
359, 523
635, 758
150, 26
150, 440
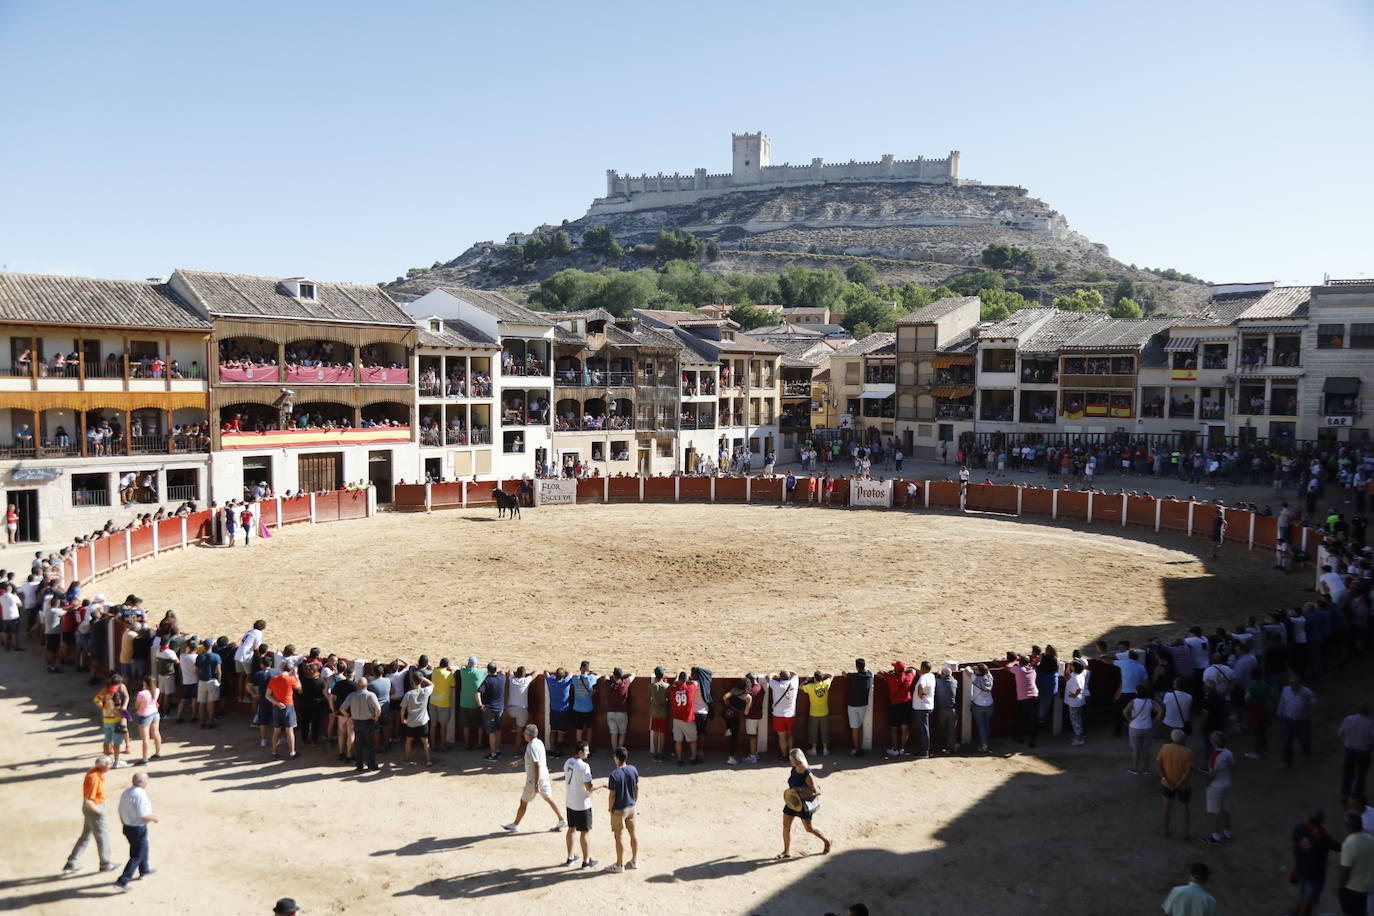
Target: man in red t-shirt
246, 522
618, 706
682, 701
281, 693
899, 682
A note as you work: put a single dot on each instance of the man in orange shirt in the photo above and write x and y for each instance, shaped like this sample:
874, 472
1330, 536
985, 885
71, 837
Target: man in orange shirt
281, 693
93, 812
1175, 777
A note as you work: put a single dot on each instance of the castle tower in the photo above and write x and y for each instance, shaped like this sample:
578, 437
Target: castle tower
751, 153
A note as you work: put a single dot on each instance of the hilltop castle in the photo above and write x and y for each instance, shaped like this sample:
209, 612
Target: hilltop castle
753, 170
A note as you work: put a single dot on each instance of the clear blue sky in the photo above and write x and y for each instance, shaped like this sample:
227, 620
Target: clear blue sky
349, 140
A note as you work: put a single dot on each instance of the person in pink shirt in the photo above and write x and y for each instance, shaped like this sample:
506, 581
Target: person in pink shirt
148, 718
1027, 701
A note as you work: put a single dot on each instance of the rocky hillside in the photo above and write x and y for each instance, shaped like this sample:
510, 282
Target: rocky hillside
909, 231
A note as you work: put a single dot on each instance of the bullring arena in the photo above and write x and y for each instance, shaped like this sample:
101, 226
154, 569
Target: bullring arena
733, 588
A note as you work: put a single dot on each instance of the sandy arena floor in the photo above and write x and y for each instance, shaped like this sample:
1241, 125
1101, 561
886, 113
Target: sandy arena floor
1064, 832
733, 588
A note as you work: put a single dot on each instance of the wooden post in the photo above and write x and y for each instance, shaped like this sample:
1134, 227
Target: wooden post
965, 714
1191, 506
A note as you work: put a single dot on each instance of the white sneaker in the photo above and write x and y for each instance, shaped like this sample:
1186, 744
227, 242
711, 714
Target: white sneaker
631, 865
262, 742
561, 825
731, 761
120, 763
752, 758
825, 753
511, 828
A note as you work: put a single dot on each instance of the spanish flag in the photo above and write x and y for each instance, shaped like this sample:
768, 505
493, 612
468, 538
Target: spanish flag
1073, 412
1184, 375
1097, 410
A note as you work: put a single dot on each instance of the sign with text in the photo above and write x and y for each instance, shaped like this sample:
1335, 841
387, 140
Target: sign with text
1338, 421
555, 492
866, 492
35, 474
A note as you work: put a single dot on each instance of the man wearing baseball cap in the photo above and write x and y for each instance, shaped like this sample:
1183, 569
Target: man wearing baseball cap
286, 907
899, 682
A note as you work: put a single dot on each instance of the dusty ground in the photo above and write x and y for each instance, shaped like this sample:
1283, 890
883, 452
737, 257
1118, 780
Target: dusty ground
1065, 832
729, 587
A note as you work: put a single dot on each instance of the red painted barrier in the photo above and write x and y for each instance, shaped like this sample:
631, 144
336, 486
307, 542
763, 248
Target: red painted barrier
169, 533
979, 496
1037, 501
944, 494
480, 492
85, 571
694, 489
119, 551
766, 490
1237, 526
267, 510
1140, 511
729, 489
659, 489
352, 504
1173, 515
841, 495
103, 564
141, 543
1073, 505
1107, 508
1266, 532
412, 495
1002, 499
327, 506
591, 490
296, 509
1203, 514
624, 490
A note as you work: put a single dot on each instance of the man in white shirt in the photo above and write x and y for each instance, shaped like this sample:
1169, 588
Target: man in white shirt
243, 655
9, 618
1296, 704
1219, 765
1201, 653
536, 765
1217, 681
1075, 695
1178, 706
782, 695
578, 777
52, 633
136, 813
922, 703
190, 679
1332, 584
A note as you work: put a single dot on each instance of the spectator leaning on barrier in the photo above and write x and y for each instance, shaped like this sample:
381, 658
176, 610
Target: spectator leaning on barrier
659, 717
1027, 702
782, 698
922, 705
860, 684
1075, 697
584, 702
817, 690
491, 698
618, 706
899, 682
682, 698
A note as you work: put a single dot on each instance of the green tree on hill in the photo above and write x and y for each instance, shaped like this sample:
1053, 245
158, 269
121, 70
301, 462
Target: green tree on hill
1126, 307
806, 287
676, 244
1082, 300
862, 273
600, 241
749, 316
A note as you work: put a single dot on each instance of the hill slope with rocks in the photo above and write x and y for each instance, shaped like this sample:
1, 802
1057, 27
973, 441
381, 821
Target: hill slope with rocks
909, 232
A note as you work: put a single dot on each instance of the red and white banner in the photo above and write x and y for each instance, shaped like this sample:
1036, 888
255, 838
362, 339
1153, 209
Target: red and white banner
866, 492
266, 374
386, 376
307, 374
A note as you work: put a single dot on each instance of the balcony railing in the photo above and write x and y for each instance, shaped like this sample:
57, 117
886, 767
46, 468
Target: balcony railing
796, 389
136, 445
954, 411
183, 493
90, 497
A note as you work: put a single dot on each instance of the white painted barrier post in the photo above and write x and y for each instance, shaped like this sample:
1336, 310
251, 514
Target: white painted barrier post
925, 492
1020, 492
183, 525
1124, 507
748, 489
713, 489
1159, 514
606, 489
128, 548
965, 714
1054, 503
312, 508
1090, 507
429, 497
1252, 531
463, 497
1191, 505
641, 488
677, 488
278, 501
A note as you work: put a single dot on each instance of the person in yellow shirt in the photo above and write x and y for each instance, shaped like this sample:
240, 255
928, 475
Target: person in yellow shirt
441, 703
1175, 777
817, 690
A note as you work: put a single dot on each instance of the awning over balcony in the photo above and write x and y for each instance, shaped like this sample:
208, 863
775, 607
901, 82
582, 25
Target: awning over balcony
1338, 384
949, 362
1180, 345
877, 395
1272, 329
952, 391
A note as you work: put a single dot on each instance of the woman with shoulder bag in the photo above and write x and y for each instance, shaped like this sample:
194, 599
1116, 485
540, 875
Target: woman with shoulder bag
801, 799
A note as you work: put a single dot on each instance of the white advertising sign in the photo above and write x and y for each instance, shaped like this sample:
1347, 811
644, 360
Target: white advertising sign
555, 492
865, 492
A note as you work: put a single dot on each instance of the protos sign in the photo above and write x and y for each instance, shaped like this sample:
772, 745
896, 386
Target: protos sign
865, 492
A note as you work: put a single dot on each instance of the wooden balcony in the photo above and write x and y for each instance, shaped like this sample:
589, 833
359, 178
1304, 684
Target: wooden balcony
1093, 382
